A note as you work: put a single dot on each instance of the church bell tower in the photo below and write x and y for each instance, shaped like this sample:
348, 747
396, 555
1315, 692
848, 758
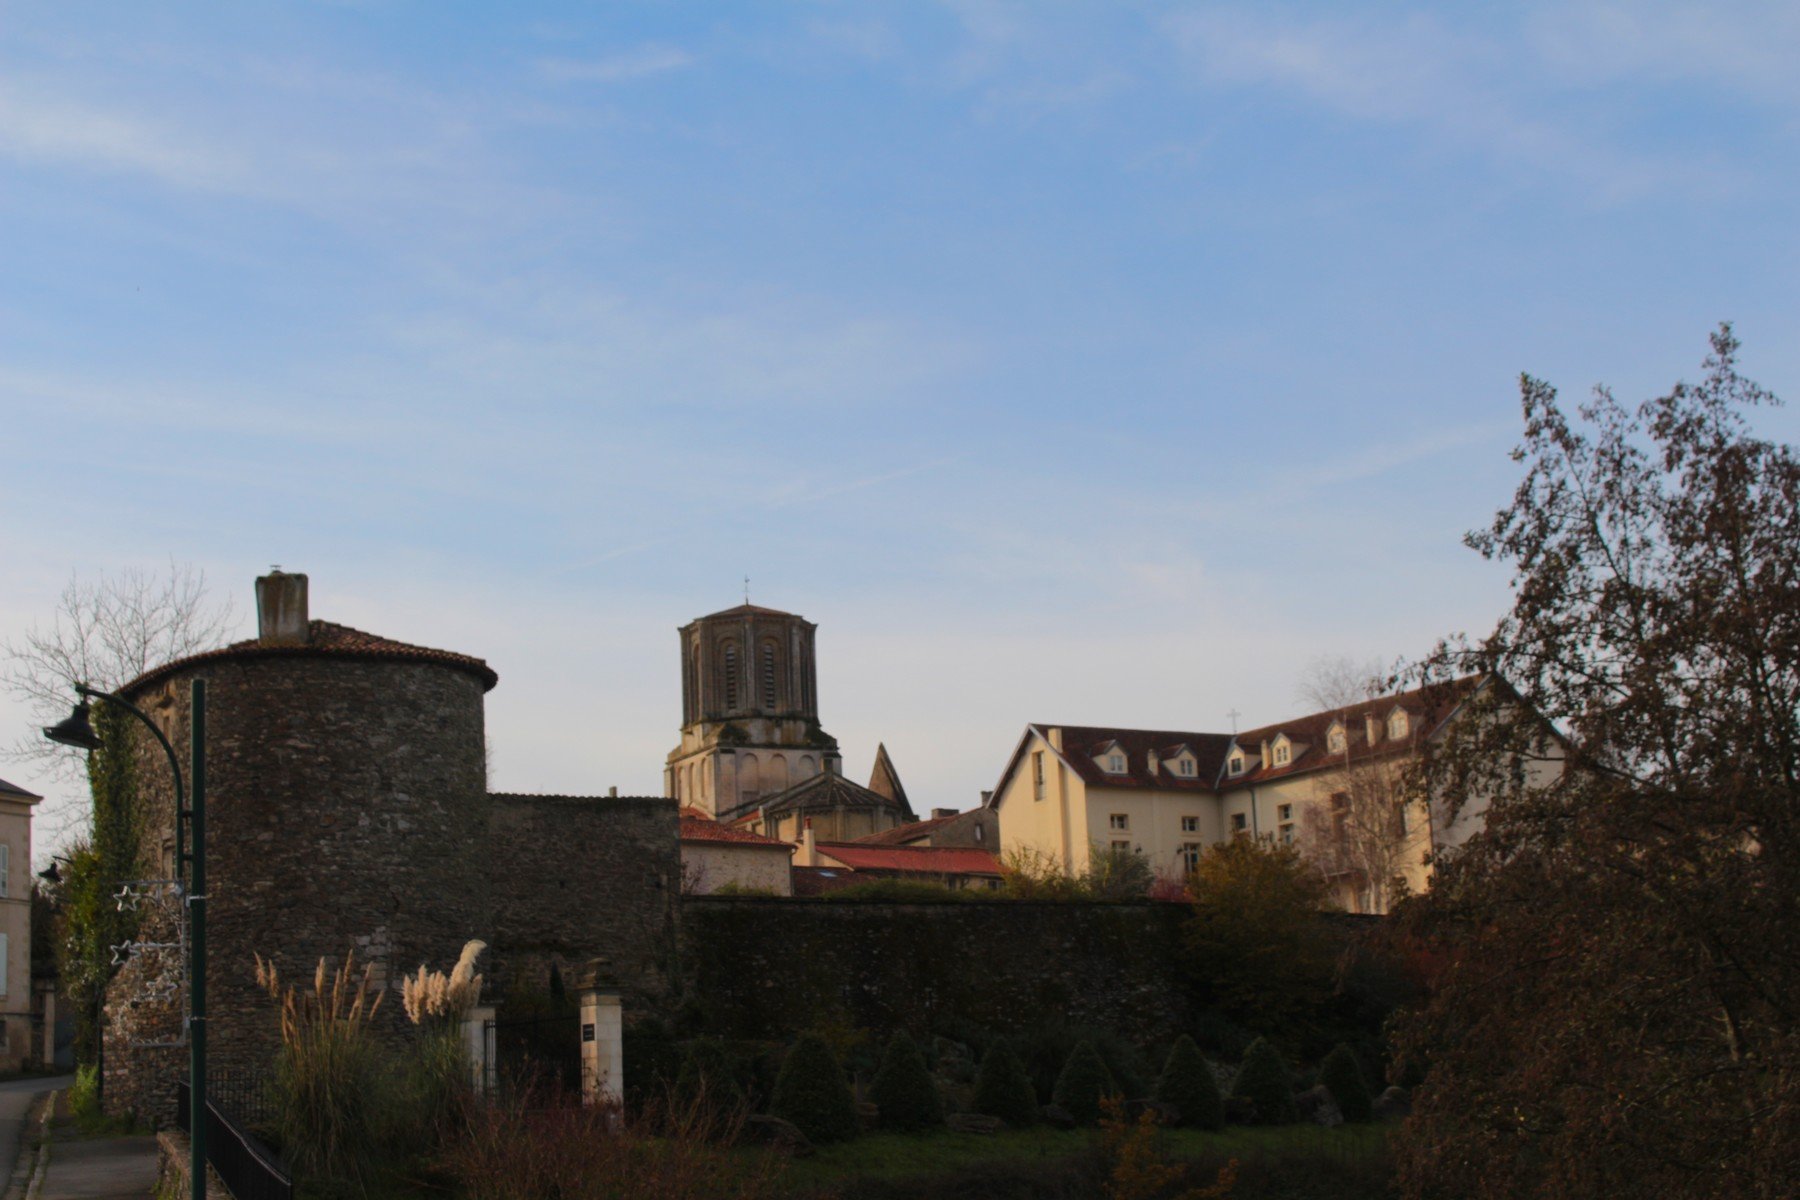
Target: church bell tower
749, 711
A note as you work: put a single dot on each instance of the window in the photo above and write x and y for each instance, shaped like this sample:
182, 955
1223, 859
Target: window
5, 869
1287, 835
1285, 812
1190, 856
1239, 822
1190, 824
1282, 752
4, 956
768, 680
1121, 821
981, 835
1401, 821
731, 675
1237, 764
1397, 724
1122, 847
1336, 739
1185, 766
1037, 773
1115, 763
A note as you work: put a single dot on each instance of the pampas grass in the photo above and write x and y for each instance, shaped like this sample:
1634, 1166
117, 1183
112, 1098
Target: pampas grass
433, 996
328, 1077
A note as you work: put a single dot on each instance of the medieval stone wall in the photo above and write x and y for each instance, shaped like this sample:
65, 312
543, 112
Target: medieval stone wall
345, 811
581, 877
762, 967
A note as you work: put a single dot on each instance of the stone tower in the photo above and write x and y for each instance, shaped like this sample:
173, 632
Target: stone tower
749, 711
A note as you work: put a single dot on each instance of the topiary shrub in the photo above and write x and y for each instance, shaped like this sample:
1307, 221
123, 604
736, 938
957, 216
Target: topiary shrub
1003, 1089
1263, 1082
1084, 1082
903, 1091
707, 1088
1343, 1077
1188, 1083
810, 1092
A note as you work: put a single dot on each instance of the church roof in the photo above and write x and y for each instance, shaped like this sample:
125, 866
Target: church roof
748, 610
326, 639
829, 790
900, 835
884, 780
696, 826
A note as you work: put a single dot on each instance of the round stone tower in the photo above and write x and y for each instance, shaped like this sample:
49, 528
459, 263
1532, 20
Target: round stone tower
346, 809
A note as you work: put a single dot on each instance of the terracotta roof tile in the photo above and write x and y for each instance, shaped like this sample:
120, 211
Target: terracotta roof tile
913, 860
326, 639
696, 826
902, 834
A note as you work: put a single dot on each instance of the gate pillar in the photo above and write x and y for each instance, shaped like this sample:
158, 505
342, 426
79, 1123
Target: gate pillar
602, 1036
479, 1049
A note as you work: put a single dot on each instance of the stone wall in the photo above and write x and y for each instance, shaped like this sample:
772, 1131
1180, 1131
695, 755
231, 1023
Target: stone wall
765, 967
344, 810
579, 877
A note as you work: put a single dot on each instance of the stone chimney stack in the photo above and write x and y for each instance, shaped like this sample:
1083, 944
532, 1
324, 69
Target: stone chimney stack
281, 608
938, 814
809, 847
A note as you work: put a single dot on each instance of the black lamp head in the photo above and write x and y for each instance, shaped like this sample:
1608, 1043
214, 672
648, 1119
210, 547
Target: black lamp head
74, 730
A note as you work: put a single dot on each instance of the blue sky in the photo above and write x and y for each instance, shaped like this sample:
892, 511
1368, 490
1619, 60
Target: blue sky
1096, 363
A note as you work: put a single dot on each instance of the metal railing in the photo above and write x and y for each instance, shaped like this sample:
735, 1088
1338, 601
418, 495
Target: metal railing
249, 1169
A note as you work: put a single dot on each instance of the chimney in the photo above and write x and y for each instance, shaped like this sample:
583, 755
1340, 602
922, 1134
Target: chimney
281, 608
612, 793
987, 798
809, 849
938, 814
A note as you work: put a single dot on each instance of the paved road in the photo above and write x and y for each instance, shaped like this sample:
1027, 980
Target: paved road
15, 1101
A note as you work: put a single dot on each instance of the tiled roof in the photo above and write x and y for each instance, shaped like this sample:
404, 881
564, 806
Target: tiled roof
534, 797
1426, 709
328, 640
828, 790
884, 780
816, 881
912, 860
1080, 743
15, 792
902, 834
696, 826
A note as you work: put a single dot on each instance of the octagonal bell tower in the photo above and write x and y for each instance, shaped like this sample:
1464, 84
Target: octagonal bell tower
749, 711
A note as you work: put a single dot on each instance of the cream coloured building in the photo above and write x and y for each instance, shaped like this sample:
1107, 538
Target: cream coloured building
15, 925
1327, 783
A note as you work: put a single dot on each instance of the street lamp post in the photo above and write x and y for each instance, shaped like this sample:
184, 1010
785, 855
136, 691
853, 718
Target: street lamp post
76, 731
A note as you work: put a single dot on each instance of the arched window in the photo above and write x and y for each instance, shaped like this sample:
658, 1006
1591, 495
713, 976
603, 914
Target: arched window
731, 675
1397, 724
768, 676
695, 707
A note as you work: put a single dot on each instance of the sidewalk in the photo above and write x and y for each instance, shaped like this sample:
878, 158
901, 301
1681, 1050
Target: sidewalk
71, 1165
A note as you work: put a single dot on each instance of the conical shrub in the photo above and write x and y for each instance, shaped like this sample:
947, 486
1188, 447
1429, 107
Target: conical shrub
1084, 1082
1187, 1083
1342, 1076
810, 1091
905, 1095
1003, 1089
1263, 1081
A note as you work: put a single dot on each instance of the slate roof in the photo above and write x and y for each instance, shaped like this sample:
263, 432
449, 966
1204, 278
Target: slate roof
748, 610
696, 826
885, 780
913, 860
1426, 709
13, 791
326, 639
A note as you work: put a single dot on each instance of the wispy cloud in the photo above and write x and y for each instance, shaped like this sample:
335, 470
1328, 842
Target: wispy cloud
48, 128
639, 63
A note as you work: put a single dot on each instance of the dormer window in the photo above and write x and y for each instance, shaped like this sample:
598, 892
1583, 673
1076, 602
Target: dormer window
1236, 766
1397, 724
1336, 739
1283, 753
1372, 729
1184, 766
1115, 763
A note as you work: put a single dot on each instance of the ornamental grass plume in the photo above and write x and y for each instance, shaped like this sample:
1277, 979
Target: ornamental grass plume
434, 996
328, 1075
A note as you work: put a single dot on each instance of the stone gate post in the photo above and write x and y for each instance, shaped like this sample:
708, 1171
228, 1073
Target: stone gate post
478, 1047
602, 1036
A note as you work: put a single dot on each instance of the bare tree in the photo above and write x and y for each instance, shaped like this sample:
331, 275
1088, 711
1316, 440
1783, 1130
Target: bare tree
1336, 681
105, 632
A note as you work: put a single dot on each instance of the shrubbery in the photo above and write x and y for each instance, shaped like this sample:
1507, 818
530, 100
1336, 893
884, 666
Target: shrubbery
1343, 1077
1188, 1083
1263, 1081
1002, 1089
903, 1091
810, 1092
1083, 1084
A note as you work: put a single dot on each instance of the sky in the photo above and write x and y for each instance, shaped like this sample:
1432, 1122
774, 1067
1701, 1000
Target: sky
1100, 363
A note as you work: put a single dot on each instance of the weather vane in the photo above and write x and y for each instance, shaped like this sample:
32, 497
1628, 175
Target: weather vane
746, 589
